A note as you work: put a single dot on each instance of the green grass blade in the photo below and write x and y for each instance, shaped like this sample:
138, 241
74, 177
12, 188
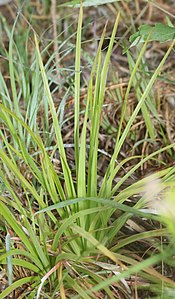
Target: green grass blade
127, 175
24, 264
77, 89
12, 79
75, 286
119, 142
9, 258
105, 189
144, 109
99, 99
68, 222
66, 169
95, 243
23, 181
87, 3
137, 268
28, 255
139, 237
16, 227
93, 99
17, 284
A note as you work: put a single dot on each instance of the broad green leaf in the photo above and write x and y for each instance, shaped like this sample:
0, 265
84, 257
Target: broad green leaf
160, 32
87, 3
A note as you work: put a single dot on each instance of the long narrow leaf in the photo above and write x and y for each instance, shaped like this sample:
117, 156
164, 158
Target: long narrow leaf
139, 105
17, 284
66, 169
77, 89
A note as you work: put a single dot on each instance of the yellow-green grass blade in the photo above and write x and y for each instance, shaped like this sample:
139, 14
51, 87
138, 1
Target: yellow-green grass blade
48, 173
75, 286
5, 96
128, 126
104, 250
5, 212
98, 103
77, 89
33, 104
66, 170
9, 148
15, 203
138, 267
51, 179
96, 278
143, 78
139, 237
31, 163
24, 264
130, 172
93, 100
35, 138
92, 169
36, 243
18, 284
145, 94
103, 201
28, 255
65, 211
6, 119
24, 182
13, 81
81, 179
29, 239
94, 73
103, 82
52, 183
106, 186
7, 112
145, 112
67, 223
87, 3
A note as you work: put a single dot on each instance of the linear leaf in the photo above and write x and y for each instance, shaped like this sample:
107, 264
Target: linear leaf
87, 3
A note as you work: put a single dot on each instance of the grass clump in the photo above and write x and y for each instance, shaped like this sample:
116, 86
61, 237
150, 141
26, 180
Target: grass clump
66, 235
